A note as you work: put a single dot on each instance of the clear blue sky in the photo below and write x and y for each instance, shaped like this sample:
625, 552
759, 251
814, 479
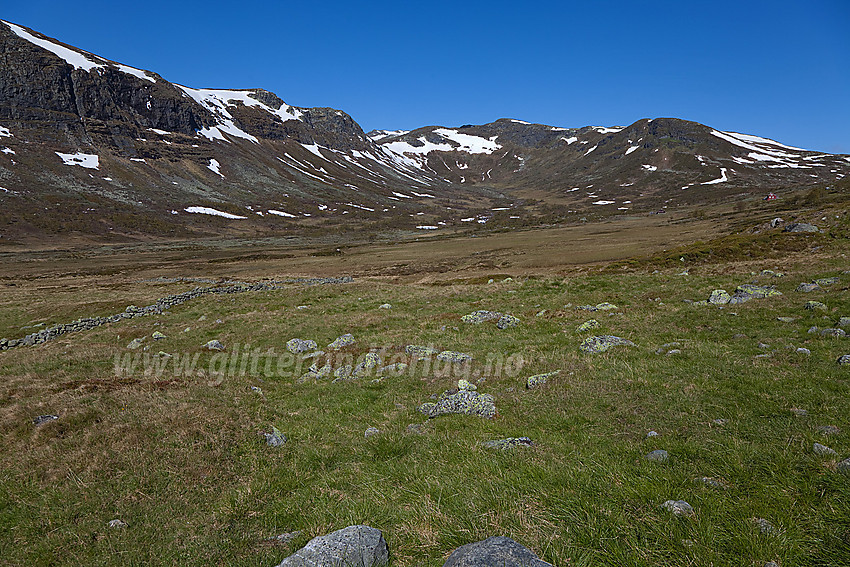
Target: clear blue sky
778, 69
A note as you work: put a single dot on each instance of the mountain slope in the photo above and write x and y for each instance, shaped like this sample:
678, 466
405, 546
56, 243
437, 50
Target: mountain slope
97, 147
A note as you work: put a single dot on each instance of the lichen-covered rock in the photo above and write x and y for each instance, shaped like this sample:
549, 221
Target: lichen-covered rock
481, 316
354, 546
466, 385
828, 281
385, 306
807, 287
342, 341
368, 365
370, 431
602, 343
678, 507
38, 420
509, 443
275, 438
833, 333
764, 526
844, 359
815, 306
828, 430
787, 319
844, 322
464, 402
539, 379
712, 482
136, 343
421, 351
157, 336
719, 297
507, 321
771, 273
498, 551
588, 326
300, 346
605, 306
343, 372
456, 357
843, 466
396, 369
801, 227
666, 348
214, 344
658, 456
746, 292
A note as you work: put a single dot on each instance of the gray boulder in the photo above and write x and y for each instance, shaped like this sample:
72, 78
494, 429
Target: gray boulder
678, 507
659, 456
827, 281
844, 359
822, 449
368, 365
539, 379
214, 345
719, 297
801, 227
300, 346
275, 438
465, 402
815, 306
807, 287
452, 356
354, 546
481, 316
507, 444
420, 352
342, 341
498, 551
507, 321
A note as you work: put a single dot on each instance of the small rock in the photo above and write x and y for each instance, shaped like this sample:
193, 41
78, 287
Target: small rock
658, 456
117, 524
678, 507
804, 350
464, 402
828, 430
507, 321
509, 443
843, 466
300, 346
539, 379
776, 222
674, 352
452, 356
481, 316
763, 346
157, 336
416, 429
844, 322
720, 421
815, 305
213, 345
711, 482
844, 359
368, 365
44, 419
602, 343
498, 551
588, 326
799, 412
136, 343
466, 385
286, 538
652, 434
396, 369
787, 319
822, 449
665, 348
420, 352
370, 431
719, 297
385, 306
807, 287
275, 438
827, 281
833, 333
342, 341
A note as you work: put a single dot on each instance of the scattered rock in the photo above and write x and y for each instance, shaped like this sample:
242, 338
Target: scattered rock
367, 366
466, 385
300, 346
343, 372
602, 343
746, 292
275, 438
799, 412
844, 359
509, 443
136, 343
787, 319
844, 322
370, 431
214, 345
828, 430
420, 352
396, 369
342, 341
678, 507
498, 551
763, 346
665, 348
356, 546
822, 449
658, 456
452, 356
801, 227
833, 332
539, 379
720, 421
815, 305
481, 316
604, 306
507, 321
466, 402
776, 222
719, 297
827, 281
843, 466
157, 336
807, 287
652, 434
117, 524
588, 326
416, 429
385, 306
804, 350
286, 538
44, 419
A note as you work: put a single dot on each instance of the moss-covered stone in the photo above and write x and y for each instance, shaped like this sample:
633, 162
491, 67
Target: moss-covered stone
602, 343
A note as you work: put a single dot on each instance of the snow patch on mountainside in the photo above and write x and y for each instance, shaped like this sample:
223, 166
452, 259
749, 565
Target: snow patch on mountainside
213, 212
379, 134
721, 179
135, 72
80, 60
281, 213
89, 161
215, 167
4, 132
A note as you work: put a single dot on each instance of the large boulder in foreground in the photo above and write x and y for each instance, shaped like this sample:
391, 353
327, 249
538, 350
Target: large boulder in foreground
355, 546
496, 551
